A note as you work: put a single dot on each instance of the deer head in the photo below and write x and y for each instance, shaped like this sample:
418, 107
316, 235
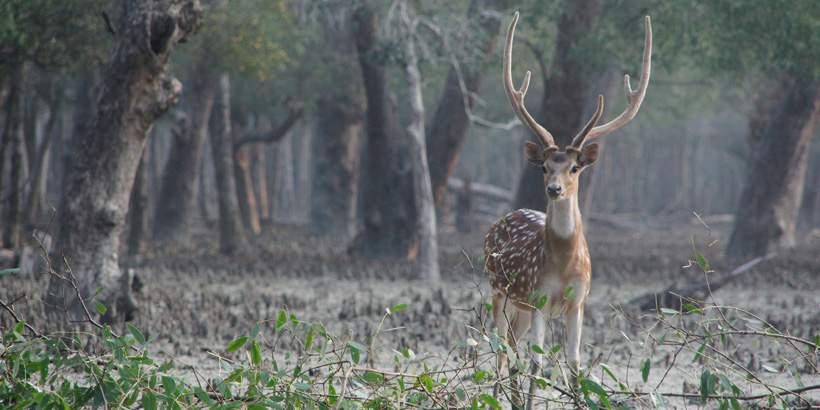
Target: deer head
561, 168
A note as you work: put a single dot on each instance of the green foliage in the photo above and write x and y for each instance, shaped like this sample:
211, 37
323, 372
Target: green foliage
780, 38
52, 33
321, 370
251, 39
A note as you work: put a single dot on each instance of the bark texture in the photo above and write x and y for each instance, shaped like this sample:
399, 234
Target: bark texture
767, 213
13, 147
337, 144
176, 203
136, 89
231, 235
428, 267
388, 203
447, 131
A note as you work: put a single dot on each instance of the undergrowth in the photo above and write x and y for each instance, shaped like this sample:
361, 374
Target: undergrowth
322, 370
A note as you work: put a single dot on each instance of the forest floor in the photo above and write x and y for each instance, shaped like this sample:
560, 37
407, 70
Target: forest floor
196, 301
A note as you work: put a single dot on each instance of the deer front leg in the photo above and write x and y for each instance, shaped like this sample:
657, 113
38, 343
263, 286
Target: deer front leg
574, 318
539, 327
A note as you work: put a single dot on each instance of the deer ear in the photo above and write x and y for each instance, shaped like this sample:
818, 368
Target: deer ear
589, 154
534, 154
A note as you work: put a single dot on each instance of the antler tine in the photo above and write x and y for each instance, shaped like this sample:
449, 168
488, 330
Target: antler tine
579, 139
517, 97
635, 98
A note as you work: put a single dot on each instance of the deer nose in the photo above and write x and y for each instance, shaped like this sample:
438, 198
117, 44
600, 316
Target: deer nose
554, 190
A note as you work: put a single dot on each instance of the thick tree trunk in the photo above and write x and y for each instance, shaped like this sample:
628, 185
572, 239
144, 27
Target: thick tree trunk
565, 92
13, 136
231, 235
388, 208
176, 203
136, 90
40, 160
336, 147
448, 129
770, 200
138, 209
423, 191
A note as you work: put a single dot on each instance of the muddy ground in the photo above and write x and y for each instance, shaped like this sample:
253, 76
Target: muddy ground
196, 301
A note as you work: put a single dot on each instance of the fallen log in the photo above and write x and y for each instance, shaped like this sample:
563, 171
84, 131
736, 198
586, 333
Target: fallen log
696, 293
485, 190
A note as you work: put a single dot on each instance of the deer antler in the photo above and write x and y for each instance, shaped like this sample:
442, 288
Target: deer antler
516, 97
633, 97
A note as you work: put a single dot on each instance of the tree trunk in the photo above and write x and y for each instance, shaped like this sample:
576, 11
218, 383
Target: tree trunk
244, 191
336, 147
136, 89
565, 92
769, 202
388, 207
176, 203
422, 189
231, 235
138, 209
260, 185
448, 130
13, 136
40, 161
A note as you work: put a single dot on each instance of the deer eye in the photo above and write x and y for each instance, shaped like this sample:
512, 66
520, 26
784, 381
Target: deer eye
575, 169
544, 169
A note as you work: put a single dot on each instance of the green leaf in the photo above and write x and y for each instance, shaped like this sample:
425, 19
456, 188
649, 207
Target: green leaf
203, 396
568, 295
170, 385
692, 309
236, 344
699, 352
542, 302
100, 307
6, 272
255, 332
372, 377
256, 355
398, 308
702, 262
645, 366
609, 372
149, 401
479, 376
596, 388
537, 349
491, 401
670, 312
136, 333
309, 340
489, 306
354, 354
704, 386
281, 321
555, 349
302, 386
461, 394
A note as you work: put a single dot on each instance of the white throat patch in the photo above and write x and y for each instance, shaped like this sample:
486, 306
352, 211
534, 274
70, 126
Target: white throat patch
562, 217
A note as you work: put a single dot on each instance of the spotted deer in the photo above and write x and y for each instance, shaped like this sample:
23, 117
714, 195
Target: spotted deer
538, 263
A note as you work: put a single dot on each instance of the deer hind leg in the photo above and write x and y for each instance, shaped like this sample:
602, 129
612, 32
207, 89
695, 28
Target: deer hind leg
574, 318
512, 323
539, 327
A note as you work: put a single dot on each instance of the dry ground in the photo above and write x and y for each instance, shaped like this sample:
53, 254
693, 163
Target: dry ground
196, 301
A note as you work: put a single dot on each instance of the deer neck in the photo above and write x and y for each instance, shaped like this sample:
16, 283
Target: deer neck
563, 219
